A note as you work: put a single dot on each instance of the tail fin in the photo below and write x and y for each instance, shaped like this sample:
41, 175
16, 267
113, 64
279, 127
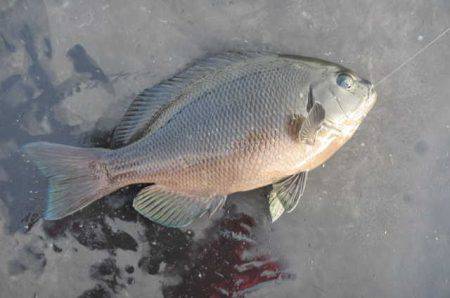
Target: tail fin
77, 176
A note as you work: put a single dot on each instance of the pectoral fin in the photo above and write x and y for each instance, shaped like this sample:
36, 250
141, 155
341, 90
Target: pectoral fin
312, 123
286, 194
172, 209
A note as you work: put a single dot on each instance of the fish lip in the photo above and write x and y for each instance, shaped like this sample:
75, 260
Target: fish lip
371, 99
356, 117
366, 106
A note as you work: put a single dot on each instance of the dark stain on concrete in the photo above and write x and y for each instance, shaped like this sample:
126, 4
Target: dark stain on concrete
97, 292
421, 147
29, 257
85, 64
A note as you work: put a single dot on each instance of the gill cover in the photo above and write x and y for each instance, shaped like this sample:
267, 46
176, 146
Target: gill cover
341, 93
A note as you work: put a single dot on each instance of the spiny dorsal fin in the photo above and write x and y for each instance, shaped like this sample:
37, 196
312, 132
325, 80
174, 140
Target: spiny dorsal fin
164, 100
312, 124
172, 209
286, 194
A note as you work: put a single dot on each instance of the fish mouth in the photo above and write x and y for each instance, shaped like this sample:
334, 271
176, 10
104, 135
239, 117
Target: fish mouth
366, 106
354, 119
373, 96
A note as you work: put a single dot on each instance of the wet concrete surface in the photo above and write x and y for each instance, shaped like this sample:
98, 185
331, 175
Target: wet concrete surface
373, 222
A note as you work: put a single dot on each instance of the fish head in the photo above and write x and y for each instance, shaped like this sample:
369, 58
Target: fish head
346, 97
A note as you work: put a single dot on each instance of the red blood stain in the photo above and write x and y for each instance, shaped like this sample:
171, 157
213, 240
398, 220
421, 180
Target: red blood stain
224, 266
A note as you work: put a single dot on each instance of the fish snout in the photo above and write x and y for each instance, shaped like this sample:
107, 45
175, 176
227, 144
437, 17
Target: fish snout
371, 93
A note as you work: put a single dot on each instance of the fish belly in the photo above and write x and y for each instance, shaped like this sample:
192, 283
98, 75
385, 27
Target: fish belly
237, 172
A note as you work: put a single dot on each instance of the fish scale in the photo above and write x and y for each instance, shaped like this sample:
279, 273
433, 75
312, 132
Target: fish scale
228, 123
219, 116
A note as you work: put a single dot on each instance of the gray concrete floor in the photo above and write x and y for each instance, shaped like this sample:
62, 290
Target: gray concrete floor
374, 221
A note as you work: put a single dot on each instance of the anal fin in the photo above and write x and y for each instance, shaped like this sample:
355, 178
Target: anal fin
172, 209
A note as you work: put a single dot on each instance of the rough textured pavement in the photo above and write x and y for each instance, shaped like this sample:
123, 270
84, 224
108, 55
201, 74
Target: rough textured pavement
374, 221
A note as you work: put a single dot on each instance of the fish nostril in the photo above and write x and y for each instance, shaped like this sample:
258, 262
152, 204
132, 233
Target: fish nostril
370, 87
367, 82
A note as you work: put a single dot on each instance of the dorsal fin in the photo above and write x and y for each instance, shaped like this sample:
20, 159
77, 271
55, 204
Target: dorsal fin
161, 101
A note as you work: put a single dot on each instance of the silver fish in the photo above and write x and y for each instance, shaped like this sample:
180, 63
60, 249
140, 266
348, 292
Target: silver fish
229, 123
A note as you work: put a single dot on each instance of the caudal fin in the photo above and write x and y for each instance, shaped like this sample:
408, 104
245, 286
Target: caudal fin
77, 176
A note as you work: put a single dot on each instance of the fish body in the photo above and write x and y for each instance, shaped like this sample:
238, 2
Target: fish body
230, 123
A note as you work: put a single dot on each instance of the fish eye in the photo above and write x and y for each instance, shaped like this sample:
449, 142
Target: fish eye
344, 81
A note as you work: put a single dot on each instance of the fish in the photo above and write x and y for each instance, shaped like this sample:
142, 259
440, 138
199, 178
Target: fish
228, 123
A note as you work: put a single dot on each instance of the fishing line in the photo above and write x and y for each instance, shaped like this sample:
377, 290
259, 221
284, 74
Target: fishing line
414, 56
